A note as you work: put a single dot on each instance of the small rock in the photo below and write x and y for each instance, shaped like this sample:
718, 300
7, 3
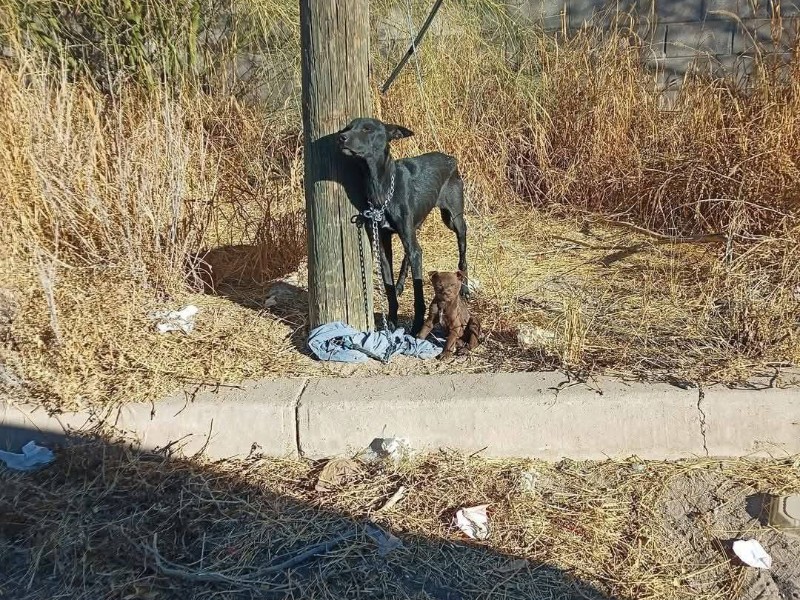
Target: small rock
336, 472
784, 513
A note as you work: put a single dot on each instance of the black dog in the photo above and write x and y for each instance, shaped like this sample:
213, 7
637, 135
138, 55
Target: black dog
407, 189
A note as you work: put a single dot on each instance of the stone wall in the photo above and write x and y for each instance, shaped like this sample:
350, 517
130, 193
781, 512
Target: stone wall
718, 36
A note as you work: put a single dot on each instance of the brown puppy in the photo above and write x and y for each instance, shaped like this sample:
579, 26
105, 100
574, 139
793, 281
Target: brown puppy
450, 310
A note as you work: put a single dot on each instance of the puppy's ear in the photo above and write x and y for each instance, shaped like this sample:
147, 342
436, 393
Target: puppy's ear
396, 132
459, 275
433, 275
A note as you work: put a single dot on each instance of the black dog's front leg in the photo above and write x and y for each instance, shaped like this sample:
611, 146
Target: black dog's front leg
414, 253
387, 273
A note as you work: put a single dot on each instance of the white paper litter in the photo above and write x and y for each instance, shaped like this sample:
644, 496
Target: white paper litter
532, 337
528, 481
8, 378
33, 456
473, 284
473, 521
395, 449
175, 320
751, 553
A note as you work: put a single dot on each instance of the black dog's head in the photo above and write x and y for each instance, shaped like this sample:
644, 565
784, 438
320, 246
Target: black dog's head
369, 138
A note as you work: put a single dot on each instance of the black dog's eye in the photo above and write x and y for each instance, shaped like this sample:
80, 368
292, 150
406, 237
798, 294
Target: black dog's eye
367, 128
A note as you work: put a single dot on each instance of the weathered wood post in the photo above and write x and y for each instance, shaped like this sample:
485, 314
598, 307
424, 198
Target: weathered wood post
335, 68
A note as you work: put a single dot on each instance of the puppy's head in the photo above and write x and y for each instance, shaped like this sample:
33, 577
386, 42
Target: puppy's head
367, 138
446, 285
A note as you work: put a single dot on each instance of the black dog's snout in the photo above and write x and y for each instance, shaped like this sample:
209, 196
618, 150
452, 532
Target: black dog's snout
342, 138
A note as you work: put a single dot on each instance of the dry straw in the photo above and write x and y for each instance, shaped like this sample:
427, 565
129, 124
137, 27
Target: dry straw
149, 526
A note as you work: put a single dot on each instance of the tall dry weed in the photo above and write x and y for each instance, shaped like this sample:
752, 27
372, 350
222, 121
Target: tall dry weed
104, 198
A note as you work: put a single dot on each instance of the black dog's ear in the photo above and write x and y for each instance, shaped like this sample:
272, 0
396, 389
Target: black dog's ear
396, 132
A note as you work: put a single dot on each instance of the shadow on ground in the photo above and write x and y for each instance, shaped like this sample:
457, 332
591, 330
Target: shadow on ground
106, 521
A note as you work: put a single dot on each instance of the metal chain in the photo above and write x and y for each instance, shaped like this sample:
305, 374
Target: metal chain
376, 215
363, 262
378, 268
358, 219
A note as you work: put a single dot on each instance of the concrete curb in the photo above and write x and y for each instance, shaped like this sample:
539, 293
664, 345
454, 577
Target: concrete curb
254, 416
762, 422
537, 415
518, 414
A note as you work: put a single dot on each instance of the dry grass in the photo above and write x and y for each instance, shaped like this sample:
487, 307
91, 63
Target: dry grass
107, 198
613, 300
104, 517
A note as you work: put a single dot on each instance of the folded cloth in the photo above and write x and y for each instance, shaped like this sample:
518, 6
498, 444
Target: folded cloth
339, 342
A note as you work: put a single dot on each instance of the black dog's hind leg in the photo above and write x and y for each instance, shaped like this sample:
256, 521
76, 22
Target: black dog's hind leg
388, 276
401, 278
451, 203
458, 225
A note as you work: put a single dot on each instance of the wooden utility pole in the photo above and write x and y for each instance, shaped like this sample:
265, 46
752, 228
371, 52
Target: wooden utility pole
335, 67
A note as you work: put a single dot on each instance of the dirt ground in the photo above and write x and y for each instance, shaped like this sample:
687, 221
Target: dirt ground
565, 293
704, 512
108, 522
552, 293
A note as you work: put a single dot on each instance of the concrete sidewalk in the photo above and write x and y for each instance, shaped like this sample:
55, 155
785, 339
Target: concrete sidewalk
537, 415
